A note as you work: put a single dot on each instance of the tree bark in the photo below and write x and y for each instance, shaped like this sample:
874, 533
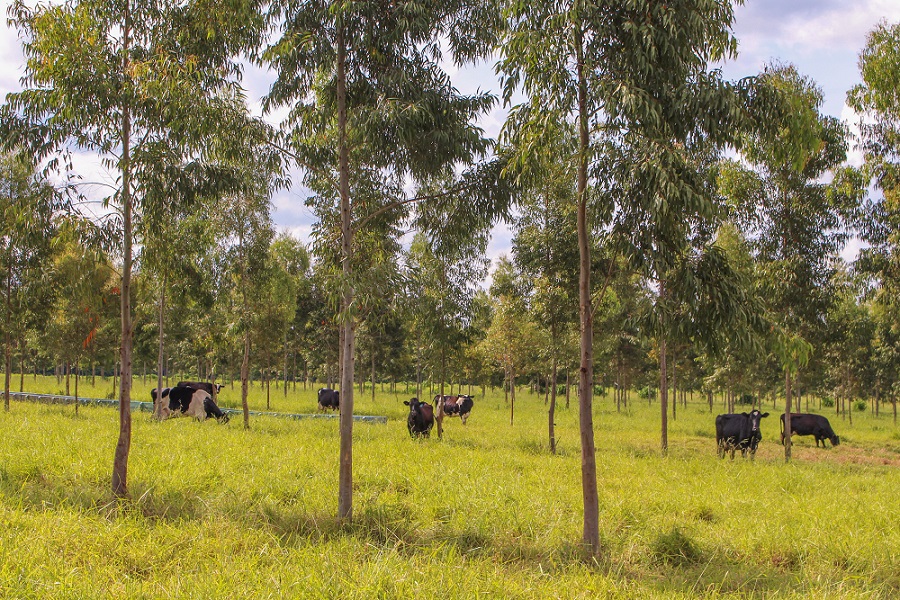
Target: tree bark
590, 496
345, 480
787, 416
123, 446
158, 403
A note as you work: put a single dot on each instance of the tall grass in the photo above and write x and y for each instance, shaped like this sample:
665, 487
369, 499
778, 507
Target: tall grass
216, 511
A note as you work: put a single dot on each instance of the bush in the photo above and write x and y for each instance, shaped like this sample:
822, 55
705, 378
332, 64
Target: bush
676, 548
746, 399
647, 392
827, 402
860, 405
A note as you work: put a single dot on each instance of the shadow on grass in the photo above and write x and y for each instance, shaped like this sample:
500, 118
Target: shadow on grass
672, 563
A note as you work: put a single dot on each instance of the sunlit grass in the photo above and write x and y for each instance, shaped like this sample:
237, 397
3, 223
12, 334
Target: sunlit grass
219, 511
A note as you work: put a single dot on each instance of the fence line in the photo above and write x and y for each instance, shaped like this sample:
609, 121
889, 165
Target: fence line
137, 405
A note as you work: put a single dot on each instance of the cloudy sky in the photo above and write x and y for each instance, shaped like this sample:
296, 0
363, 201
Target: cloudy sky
821, 37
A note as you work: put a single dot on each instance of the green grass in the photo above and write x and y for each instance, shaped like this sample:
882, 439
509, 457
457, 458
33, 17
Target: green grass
216, 511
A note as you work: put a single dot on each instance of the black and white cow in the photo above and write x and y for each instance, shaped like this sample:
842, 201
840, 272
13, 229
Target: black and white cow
329, 399
192, 402
201, 385
814, 425
455, 405
738, 431
420, 419
451, 406
164, 396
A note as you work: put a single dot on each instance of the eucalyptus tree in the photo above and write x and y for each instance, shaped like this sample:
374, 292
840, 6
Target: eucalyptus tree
366, 90
134, 82
83, 278
795, 220
27, 206
878, 106
545, 250
443, 274
512, 337
632, 78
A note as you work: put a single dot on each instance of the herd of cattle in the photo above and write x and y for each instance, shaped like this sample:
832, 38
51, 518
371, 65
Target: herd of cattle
738, 431
741, 431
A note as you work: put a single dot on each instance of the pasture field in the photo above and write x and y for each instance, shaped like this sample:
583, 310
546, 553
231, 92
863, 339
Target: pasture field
217, 511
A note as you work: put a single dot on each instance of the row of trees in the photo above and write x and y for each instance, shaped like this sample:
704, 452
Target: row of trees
635, 235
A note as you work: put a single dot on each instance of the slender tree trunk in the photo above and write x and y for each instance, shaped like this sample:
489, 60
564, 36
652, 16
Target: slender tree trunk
285, 373
345, 482
590, 495
245, 377
245, 316
76, 388
7, 356
552, 411
158, 403
123, 446
663, 394
22, 356
787, 416
512, 392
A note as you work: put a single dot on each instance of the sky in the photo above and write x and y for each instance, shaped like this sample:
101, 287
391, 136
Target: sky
822, 38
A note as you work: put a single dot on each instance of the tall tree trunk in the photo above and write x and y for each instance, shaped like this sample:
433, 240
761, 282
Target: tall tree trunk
76, 388
123, 446
7, 342
512, 392
663, 395
245, 317
552, 411
663, 374
285, 373
787, 416
245, 377
590, 495
158, 403
345, 480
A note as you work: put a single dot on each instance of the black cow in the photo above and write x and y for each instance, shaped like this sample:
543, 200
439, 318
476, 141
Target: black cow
192, 402
420, 419
201, 385
814, 425
738, 431
329, 399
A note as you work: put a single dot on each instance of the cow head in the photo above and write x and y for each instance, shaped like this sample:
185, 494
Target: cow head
835, 440
755, 417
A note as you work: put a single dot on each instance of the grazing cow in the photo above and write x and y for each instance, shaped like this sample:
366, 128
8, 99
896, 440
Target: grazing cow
420, 419
738, 431
201, 385
192, 402
814, 425
329, 399
165, 394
